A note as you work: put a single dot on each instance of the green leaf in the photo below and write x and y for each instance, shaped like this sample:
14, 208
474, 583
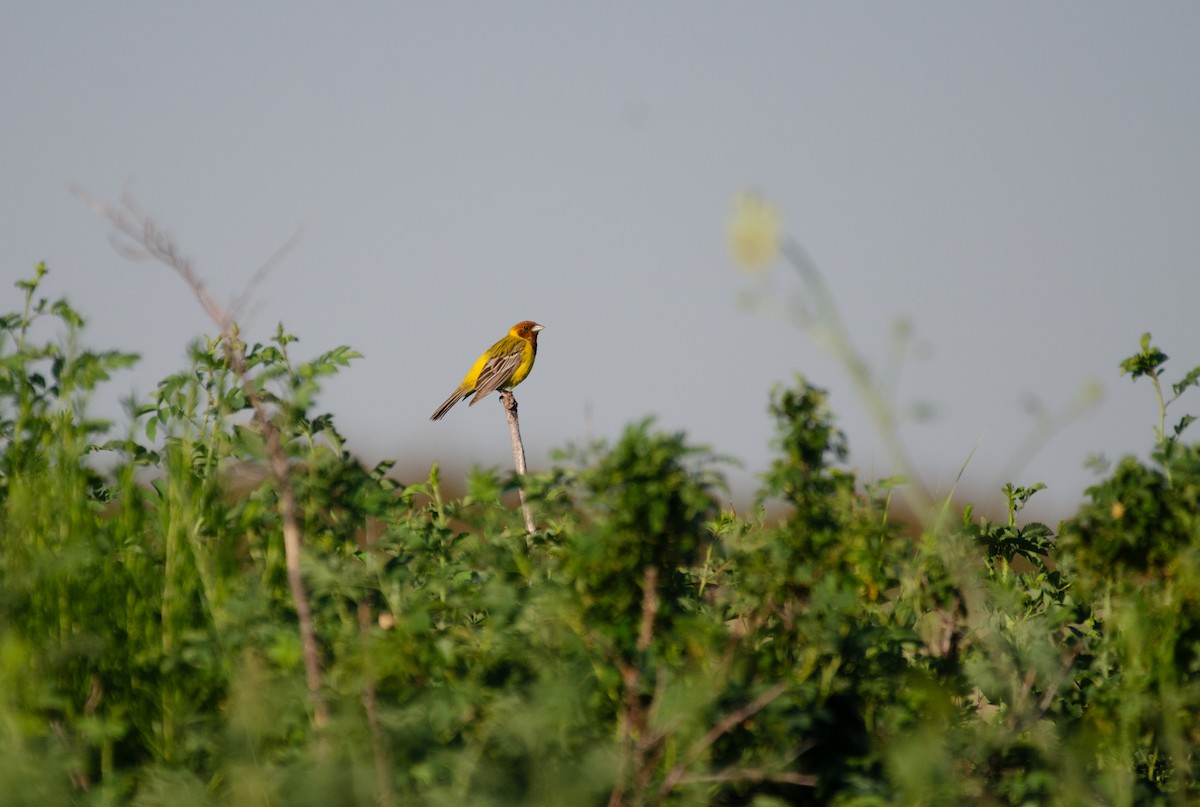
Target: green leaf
63, 310
1148, 361
1192, 379
381, 470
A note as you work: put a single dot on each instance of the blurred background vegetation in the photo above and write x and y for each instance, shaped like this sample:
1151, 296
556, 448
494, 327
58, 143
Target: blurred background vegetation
647, 645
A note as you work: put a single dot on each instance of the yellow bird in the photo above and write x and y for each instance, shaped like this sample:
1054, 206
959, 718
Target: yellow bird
503, 366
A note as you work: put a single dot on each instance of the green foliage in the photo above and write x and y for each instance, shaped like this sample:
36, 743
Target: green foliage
1148, 362
647, 646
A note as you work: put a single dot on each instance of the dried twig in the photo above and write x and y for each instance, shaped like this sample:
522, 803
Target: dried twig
137, 237
678, 773
509, 401
383, 784
641, 748
649, 608
736, 774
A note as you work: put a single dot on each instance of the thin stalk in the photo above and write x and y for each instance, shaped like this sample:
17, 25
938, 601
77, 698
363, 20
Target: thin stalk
384, 796
860, 374
509, 401
141, 239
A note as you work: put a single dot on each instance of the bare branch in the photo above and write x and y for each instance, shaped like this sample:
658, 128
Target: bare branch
384, 796
753, 775
509, 402
649, 608
238, 306
723, 727
137, 237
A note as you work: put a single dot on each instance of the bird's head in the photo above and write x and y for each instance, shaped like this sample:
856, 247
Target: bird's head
526, 330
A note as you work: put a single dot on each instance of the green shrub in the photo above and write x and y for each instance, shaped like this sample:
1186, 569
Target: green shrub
646, 646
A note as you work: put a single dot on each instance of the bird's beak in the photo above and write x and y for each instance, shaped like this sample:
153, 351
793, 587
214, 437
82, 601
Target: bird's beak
537, 328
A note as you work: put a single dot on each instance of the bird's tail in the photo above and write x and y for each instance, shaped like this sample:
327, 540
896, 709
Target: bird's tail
449, 403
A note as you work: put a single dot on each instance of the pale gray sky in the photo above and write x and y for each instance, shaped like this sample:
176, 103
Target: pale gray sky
1020, 180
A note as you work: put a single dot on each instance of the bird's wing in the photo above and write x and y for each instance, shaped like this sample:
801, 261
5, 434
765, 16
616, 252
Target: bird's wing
496, 373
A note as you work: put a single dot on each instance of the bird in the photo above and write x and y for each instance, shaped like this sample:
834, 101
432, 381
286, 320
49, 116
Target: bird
501, 367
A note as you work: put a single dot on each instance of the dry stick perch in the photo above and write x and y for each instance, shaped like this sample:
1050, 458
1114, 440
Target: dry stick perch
509, 402
147, 242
